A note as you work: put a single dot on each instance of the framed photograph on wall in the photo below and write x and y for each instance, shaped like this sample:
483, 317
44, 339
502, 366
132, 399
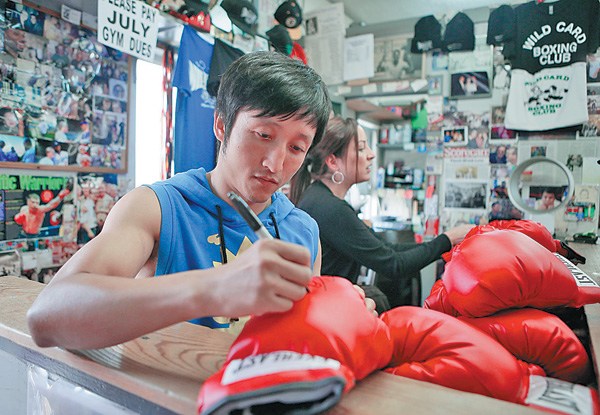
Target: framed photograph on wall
593, 67
394, 60
469, 84
455, 136
435, 85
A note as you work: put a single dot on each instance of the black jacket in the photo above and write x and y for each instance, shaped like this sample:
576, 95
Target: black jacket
347, 243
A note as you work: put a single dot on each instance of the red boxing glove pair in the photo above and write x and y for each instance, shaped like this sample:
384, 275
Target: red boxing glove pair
441, 349
304, 359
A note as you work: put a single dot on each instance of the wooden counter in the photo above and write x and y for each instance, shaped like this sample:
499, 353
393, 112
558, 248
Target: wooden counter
161, 373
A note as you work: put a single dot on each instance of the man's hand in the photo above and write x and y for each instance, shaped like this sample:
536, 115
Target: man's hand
268, 277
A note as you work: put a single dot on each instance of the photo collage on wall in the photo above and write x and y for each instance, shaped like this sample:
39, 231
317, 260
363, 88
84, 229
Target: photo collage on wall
46, 219
479, 152
64, 95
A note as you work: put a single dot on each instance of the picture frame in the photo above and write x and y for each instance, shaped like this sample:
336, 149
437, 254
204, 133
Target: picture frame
474, 84
393, 59
455, 136
593, 67
435, 85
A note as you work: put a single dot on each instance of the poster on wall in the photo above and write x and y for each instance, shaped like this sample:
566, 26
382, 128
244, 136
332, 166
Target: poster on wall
455, 217
358, 57
593, 67
465, 194
36, 206
394, 60
580, 215
324, 42
10, 263
96, 196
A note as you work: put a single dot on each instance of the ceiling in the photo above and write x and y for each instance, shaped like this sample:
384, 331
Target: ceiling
359, 12
376, 12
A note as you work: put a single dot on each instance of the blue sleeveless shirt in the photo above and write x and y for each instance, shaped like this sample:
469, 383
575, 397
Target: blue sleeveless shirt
189, 231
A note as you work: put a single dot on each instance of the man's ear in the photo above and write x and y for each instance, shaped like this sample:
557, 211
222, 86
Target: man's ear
219, 127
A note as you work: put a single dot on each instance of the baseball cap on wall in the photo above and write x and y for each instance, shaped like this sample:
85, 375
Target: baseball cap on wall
242, 13
289, 14
459, 34
428, 35
500, 25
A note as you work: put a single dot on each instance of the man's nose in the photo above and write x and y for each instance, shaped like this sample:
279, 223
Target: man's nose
274, 158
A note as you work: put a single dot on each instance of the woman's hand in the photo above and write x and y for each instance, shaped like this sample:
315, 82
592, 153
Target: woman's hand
458, 233
368, 301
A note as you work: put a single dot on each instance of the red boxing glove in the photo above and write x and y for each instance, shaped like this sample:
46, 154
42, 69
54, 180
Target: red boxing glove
534, 230
304, 358
54, 218
20, 218
541, 235
437, 348
438, 300
537, 337
504, 269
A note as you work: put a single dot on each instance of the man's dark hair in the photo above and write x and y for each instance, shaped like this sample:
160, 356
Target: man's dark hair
275, 85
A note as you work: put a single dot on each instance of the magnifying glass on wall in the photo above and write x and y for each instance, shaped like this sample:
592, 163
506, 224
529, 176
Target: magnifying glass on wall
541, 185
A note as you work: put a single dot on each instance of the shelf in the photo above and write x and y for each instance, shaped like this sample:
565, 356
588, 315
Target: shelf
395, 146
407, 146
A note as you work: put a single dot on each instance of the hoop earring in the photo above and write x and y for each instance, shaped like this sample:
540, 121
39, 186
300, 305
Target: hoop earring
340, 180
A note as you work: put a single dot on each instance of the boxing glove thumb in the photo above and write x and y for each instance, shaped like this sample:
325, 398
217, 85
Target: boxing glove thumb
438, 300
304, 358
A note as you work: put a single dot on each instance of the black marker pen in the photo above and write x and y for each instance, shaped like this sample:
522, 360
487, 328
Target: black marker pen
249, 216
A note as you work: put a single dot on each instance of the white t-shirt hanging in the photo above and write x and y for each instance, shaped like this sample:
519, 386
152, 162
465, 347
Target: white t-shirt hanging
551, 98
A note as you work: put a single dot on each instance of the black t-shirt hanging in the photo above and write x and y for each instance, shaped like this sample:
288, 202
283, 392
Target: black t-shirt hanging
556, 34
548, 57
223, 56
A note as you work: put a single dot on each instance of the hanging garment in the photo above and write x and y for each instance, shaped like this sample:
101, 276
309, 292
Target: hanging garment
194, 140
223, 56
548, 80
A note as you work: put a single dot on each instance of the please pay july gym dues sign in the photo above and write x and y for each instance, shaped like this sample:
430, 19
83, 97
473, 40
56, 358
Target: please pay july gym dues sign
130, 26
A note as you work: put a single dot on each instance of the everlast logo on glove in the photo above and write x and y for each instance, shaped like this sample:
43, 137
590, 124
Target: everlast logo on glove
275, 362
580, 277
560, 396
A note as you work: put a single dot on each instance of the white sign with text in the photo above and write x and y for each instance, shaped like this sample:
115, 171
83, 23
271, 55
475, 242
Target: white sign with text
130, 26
